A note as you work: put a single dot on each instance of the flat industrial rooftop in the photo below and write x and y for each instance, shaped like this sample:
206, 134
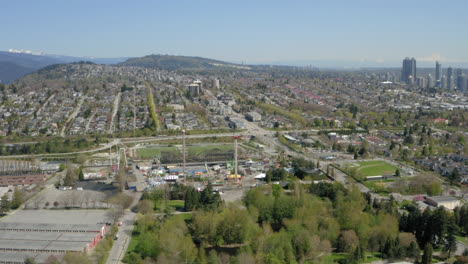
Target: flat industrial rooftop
41, 233
19, 257
57, 216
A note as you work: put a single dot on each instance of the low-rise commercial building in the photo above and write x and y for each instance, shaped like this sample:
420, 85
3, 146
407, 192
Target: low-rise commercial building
253, 117
448, 202
21, 178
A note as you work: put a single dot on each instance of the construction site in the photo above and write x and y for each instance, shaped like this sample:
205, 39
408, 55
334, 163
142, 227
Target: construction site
226, 164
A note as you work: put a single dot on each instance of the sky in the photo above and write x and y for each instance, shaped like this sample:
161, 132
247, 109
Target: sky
342, 32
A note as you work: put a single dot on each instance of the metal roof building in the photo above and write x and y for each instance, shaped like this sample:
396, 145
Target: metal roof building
448, 202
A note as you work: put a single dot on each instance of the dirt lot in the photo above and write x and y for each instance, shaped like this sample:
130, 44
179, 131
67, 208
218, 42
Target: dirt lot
93, 195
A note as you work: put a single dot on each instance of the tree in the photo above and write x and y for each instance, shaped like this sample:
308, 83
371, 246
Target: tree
276, 174
427, 255
114, 214
121, 200
81, 175
67, 199
359, 254
4, 204
450, 244
413, 251
30, 260
348, 241
17, 199
145, 206
62, 167
392, 145
397, 173
192, 199
70, 176
121, 179
454, 177
76, 258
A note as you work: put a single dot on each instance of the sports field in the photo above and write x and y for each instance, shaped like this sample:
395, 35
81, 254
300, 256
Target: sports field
373, 168
145, 153
195, 150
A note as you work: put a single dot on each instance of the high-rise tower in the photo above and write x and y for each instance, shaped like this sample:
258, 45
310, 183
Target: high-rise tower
438, 74
408, 72
449, 78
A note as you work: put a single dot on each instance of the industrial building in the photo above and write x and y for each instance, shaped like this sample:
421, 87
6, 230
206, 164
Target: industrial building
21, 240
21, 178
448, 202
90, 173
21, 172
40, 234
253, 116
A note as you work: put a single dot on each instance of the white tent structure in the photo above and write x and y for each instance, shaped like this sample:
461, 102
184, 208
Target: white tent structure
260, 176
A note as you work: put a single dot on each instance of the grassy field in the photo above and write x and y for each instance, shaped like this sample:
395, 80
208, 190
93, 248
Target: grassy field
176, 204
145, 153
335, 257
185, 216
155, 152
463, 240
373, 168
133, 243
195, 150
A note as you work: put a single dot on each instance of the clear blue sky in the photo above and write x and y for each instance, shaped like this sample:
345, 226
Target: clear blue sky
249, 31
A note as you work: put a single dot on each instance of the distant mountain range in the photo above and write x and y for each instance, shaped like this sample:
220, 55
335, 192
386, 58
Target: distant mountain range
14, 65
171, 63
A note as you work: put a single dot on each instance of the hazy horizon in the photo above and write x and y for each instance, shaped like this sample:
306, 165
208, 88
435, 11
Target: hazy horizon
262, 32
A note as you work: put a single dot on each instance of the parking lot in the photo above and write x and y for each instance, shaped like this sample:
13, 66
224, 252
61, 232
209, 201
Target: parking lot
86, 195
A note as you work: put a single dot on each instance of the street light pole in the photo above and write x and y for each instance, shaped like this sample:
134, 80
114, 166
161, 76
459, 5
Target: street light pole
183, 156
235, 158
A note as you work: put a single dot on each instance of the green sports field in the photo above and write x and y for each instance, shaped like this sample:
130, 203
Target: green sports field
373, 168
195, 150
145, 153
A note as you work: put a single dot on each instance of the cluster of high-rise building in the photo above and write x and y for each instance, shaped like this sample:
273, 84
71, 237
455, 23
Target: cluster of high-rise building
195, 88
408, 73
449, 81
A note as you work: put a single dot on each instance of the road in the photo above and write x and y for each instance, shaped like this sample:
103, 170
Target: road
117, 252
119, 248
45, 104
114, 113
72, 116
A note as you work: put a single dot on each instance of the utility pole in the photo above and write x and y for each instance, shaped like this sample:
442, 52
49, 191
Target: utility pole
134, 110
183, 156
110, 156
235, 159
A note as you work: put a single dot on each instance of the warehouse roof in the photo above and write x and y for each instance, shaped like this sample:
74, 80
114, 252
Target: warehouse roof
50, 227
442, 199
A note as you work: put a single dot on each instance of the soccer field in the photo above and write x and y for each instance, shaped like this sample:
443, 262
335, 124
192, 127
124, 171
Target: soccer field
144, 153
373, 168
155, 152
195, 150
